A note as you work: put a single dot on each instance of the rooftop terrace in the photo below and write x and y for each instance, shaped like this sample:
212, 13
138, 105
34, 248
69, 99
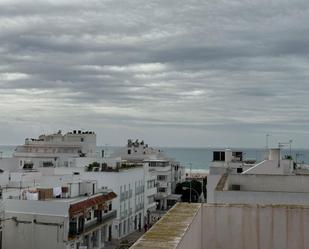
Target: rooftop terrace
230, 226
168, 232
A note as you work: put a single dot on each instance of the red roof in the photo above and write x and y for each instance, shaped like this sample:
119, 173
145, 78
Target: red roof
80, 207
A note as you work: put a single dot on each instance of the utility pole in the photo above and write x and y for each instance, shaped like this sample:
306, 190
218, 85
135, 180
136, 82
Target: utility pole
267, 141
267, 146
190, 180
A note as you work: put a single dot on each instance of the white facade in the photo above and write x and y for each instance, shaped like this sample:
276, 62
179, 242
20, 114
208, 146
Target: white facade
272, 181
168, 171
224, 162
57, 150
52, 160
263, 189
134, 185
64, 223
129, 185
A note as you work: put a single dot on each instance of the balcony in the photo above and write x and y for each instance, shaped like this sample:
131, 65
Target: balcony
139, 206
74, 231
109, 216
139, 190
151, 191
100, 220
123, 214
162, 184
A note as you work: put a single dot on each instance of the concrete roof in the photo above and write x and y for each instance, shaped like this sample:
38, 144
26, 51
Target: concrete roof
168, 232
37, 207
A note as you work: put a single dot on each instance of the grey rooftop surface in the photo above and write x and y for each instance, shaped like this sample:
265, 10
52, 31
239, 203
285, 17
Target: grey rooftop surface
168, 232
49, 208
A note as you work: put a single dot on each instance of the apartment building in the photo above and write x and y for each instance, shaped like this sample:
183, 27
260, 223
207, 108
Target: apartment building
82, 220
168, 171
71, 149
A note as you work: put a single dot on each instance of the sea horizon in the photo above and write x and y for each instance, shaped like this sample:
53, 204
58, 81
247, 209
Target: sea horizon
197, 158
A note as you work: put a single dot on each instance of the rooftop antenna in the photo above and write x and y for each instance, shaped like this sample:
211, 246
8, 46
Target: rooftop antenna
267, 140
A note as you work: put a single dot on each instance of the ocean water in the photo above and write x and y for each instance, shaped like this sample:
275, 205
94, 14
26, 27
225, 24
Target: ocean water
198, 158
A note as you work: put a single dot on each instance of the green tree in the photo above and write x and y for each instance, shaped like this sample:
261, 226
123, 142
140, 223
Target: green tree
184, 190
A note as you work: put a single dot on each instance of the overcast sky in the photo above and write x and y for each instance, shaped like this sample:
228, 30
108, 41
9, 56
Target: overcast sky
175, 73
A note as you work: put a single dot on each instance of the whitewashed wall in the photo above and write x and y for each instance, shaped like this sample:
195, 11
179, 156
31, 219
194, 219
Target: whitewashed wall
255, 227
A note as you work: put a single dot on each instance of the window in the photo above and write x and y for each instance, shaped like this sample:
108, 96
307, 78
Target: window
88, 216
238, 156
219, 156
161, 178
161, 190
82, 139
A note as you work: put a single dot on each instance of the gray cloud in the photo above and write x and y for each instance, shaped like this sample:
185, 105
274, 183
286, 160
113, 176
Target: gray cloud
204, 73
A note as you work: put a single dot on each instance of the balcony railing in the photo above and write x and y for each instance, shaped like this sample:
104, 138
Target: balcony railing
139, 190
73, 232
109, 216
123, 214
139, 206
100, 220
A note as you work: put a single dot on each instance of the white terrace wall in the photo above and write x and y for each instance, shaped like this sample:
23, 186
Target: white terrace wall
193, 237
280, 183
255, 227
254, 197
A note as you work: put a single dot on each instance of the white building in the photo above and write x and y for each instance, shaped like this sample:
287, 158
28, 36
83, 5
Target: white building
66, 217
134, 179
57, 150
225, 161
168, 171
128, 182
275, 180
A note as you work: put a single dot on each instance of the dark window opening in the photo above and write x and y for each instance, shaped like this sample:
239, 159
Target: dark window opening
219, 156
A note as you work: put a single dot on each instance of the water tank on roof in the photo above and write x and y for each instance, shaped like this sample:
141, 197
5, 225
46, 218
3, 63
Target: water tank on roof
274, 154
228, 155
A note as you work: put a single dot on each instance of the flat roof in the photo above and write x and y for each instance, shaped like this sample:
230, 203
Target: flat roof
168, 232
37, 207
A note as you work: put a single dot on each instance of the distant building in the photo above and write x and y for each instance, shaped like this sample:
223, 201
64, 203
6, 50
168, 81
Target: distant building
57, 150
225, 162
168, 171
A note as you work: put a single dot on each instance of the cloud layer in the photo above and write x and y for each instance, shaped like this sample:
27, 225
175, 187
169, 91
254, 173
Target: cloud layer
184, 73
